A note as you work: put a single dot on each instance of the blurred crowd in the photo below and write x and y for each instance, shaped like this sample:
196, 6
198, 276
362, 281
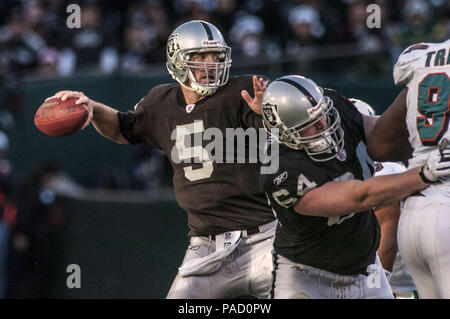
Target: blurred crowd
130, 35
31, 219
33, 214
41, 37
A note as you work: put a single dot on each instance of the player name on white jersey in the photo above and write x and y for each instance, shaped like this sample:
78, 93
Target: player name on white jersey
441, 57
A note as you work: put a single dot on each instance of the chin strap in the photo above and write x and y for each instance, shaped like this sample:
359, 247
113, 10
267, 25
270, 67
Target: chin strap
198, 89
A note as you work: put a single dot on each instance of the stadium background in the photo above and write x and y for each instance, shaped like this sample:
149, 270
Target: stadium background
109, 208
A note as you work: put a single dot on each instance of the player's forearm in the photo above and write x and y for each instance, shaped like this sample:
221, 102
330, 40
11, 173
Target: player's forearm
387, 252
343, 197
388, 219
384, 190
106, 122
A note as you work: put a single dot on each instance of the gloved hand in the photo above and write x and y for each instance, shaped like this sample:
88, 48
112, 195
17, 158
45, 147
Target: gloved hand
438, 164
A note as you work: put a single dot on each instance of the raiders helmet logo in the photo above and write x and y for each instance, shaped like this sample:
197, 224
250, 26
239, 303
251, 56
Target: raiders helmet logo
172, 45
268, 114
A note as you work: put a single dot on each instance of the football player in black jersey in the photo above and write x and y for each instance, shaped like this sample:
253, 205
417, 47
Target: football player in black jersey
231, 224
323, 193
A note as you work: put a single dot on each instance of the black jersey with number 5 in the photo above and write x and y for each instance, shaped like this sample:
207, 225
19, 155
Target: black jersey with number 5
345, 244
218, 197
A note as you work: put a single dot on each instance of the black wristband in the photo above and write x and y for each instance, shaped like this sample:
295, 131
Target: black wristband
422, 176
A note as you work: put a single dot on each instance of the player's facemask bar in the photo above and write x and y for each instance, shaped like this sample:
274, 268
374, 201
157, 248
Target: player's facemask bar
320, 147
217, 73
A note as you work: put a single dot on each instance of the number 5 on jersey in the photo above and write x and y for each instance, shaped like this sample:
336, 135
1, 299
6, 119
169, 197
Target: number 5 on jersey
188, 152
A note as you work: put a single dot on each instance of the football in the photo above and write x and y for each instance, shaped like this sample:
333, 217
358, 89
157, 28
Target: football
60, 118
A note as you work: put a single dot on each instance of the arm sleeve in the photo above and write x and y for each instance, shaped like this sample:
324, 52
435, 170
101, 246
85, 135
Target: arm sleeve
402, 71
404, 67
137, 125
127, 122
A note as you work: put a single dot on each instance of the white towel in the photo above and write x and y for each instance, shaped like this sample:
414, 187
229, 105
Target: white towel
225, 244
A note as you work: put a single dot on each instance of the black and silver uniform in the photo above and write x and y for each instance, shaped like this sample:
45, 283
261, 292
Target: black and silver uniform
346, 244
218, 197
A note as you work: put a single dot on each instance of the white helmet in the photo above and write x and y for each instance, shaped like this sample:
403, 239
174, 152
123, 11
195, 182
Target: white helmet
294, 103
363, 107
195, 37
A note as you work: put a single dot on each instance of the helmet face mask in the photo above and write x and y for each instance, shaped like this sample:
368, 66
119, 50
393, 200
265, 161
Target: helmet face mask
198, 37
283, 103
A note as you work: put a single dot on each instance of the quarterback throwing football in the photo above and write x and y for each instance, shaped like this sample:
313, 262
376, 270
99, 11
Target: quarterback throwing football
231, 224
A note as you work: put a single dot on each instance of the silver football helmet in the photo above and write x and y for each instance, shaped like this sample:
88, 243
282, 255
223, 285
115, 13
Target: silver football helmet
363, 107
294, 103
195, 37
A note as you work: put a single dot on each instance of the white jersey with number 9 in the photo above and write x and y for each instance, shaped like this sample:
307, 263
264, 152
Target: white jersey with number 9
423, 229
425, 69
